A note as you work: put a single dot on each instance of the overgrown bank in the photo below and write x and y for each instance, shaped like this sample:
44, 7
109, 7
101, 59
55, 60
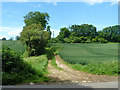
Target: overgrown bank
16, 69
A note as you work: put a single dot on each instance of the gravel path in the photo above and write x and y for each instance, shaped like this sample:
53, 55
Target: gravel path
79, 78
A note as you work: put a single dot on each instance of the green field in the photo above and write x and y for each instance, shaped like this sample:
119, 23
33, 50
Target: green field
92, 58
89, 53
16, 46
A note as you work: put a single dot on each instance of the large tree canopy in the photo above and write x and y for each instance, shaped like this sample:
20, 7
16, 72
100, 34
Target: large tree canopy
35, 39
86, 33
36, 17
34, 35
112, 33
83, 30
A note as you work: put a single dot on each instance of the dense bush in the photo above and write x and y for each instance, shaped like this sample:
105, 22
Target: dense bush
51, 51
14, 69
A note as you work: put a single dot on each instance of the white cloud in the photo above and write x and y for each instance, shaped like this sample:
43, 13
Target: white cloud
90, 2
16, 33
60, 1
56, 32
36, 6
22, 0
3, 37
113, 3
55, 3
10, 32
52, 1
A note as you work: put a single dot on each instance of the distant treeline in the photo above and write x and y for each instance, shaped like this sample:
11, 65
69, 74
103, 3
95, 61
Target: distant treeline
87, 33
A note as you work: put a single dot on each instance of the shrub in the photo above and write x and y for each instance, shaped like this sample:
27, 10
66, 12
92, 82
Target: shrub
88, 41
14, 69
102, 40
94, 40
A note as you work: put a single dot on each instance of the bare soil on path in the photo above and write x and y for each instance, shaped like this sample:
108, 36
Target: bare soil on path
69, 75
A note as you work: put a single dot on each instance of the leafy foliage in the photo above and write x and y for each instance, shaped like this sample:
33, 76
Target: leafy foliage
36, 18
87, 34
4, 38
17, 37
112, 34
35, 39
14, 69
33, 34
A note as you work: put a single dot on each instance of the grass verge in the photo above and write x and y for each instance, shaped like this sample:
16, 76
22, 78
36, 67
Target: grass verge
16, 70
39, 63
106, 68
50, 55
54, 64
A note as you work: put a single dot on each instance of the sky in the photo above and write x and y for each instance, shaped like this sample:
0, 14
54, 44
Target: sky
62, 14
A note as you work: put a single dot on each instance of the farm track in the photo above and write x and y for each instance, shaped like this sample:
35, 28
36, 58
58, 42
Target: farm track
68, 75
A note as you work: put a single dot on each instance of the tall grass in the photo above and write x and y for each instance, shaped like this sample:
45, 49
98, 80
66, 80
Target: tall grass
39, 63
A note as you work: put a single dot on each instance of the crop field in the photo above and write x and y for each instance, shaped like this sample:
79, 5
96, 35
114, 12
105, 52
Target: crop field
16, 46
89, 53
92, 58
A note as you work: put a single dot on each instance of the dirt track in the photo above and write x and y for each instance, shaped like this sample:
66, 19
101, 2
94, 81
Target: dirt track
68, 75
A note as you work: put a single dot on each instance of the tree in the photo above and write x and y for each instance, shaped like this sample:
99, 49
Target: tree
33, 34
83, 30
88, 33
17, 37
112, 33
11, 38
4, 38
35, 39
64, 32
48, 30
36, 18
